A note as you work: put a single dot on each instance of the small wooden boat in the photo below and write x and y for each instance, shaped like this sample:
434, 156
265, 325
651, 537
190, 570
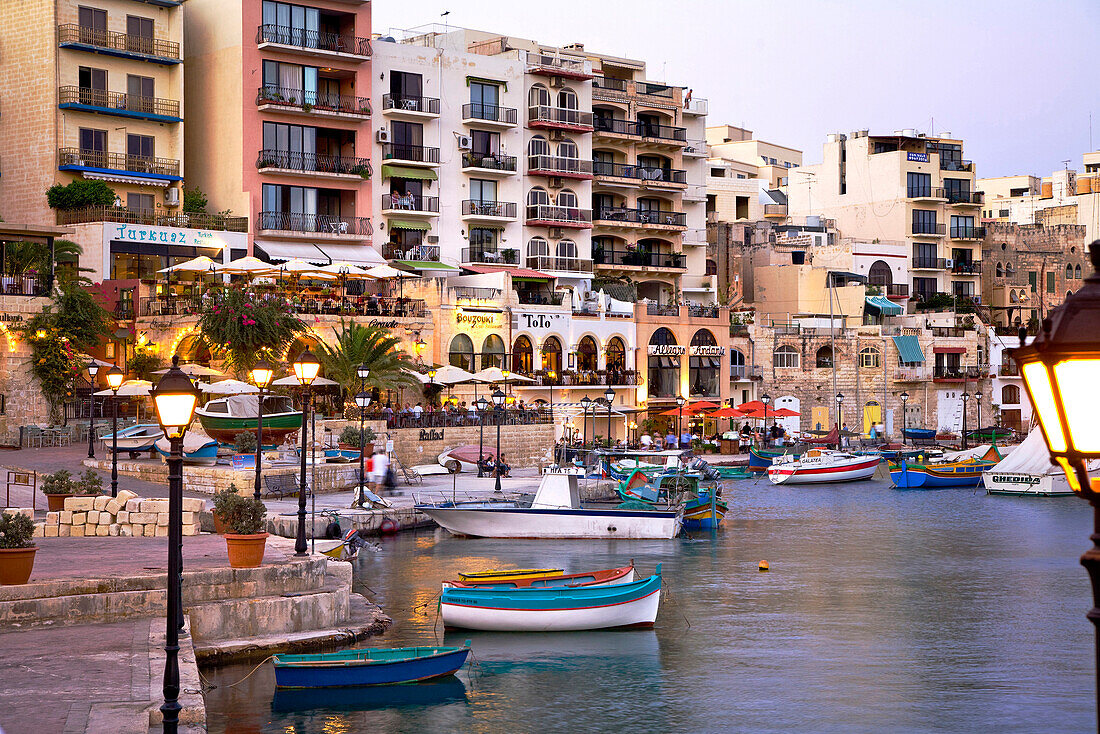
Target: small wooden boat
224, 418
938, 476
761, 459
820, 466
346, 548
562, 609
920, 434
196, 449
1027, 471
134, 439
448, 689
341, 456
371, 667
624, 575
703, 508
496, 576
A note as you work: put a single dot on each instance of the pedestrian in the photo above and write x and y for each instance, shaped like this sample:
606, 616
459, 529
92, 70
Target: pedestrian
380, 464
685, 440
670, 439
647, 441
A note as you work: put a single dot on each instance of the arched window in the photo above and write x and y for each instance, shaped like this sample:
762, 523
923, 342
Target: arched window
1010, 395
462, 352
567, 249
567, 197
868, 357
664, 369
492, 352
537, 196
538, 145
551, 355
567, 99
568, 149
786, 357
522, 356
588, 355
880, 274
1069, 272
538, 96
711, 267
538, 247
824, 357
1077, 272
616, 355
1000, 270
703, 369
1009, 270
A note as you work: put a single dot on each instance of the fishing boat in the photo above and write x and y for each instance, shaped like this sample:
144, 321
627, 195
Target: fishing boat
347, 548
703, 509
224, 418
464, 458
920, 434
562, 609
761, 459
371, 667
967, 473
196, 449
624, 575
555, 512
1028, 471
134, 439
820, 466
496, 576
341, 456
434, 692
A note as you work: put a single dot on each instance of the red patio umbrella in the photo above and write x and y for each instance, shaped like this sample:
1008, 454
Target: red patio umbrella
785, 413
701, 405
750, 406
726, 413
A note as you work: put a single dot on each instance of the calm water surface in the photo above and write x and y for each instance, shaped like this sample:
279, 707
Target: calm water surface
884, 611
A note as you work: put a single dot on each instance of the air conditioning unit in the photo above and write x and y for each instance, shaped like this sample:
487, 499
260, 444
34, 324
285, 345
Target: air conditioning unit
465, 142
556, 233
949, 263
172, 196
433, 239
383, 135
556, 182
557, 82
977, 298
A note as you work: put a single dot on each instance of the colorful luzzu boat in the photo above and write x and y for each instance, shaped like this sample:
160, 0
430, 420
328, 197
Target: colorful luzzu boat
761, 459
822, 466
703, 506
939, 476
606, 577
224, 418
495, 576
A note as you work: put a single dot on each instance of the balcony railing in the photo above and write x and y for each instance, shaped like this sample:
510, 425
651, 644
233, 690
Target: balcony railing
490, 113
490, 256
609, 83
950, 331
1009, 369
639, 258
130, 105
910, 374
897, 290
945, 372
77, 158
417, 253
662, 309
335, 305
72, 33
965, 197
605, 124
925, 192
966, 267
929, 228
636, 128
314, 162
555, 165
309, 101
403, 152
563, 215
546, 63
564, 116
149, 217
949, 165
929, 263
697, 106
655, 90
566, 264
488, 161
702, 311
320, 223
568, 378
472, 293
25, 285
405, 103
477, 208
775, 210
640, 173
967, 233
344, 43
540, 298
410, 203
662, 218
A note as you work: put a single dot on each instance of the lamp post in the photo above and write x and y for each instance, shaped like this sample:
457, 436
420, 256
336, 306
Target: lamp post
585, 402
260, 374
765, 399
551, 374
498, 404
609, 396
680, 418
93, 369
904, 416
1059, 369
839, 419
966, 399
978, 400
633, 433
175, 398
306, 368
362, 401
482, 406
114, 381
419, 346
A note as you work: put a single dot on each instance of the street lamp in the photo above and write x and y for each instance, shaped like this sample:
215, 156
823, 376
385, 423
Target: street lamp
114, 381
419, 345
175, 398
634, 433
260, 374
680, 418
966, 399
765, 399
498, 403
978, 400
904, 416
93, 369
609, 396
1059, 369
362, 401
306, 368
482, 406
585, 402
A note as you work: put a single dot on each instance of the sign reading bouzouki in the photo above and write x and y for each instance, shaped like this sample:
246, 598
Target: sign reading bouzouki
478, 319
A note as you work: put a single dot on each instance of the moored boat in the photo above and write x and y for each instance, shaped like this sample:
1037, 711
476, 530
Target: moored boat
224, 418
623, 575
920, 434
938, 476
371, 667
821, 466
134, 439
1028, 471
761, 459
495, 576
196, 449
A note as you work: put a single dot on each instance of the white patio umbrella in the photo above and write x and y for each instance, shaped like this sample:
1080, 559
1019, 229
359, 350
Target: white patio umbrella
301, 267
388, 271
249, 264
200, 264
451, 375
228, 387
292, 381
193, 370
130, 388
496, 374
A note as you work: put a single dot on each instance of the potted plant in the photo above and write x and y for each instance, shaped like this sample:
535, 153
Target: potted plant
221, 506
16, 549
245, 538
57, 487
349, 438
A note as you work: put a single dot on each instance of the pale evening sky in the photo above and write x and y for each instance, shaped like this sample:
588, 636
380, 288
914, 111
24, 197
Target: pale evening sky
1015, 80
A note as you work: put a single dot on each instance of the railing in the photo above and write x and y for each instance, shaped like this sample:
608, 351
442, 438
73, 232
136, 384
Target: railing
553, 164
410, 203
925, 192
965, 197
1009, 369
929, 263
118, 101
490, 113
910, 374
559, 214
609, 83
966, 267
124, 310
739, 372
655, 90
639, 258
929, 228
25, 285
490, 256
331, 305
967, 233
604, 124
537, 298
469, 293
662, 309
314, 162
478, 208
488, 161
567, 264
547, 62
567, 378
950, 331
640, 129
697, 106
695, 148
150, 217
775, 210
314, 40
74, 33
701, 311
457, 418
898, 290
117, 162
308, 100
639, 172
559, 116
419, 253
641, 216
405, 103
949, 165
950, 372
322, 223
404, 152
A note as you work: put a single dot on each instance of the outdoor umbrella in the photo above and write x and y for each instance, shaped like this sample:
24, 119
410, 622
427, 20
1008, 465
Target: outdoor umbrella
248, 265
130, 388
496, 374
193, 370
726, 412
388, 271
702, 405
750, 406
344, 270
785, 413
451, 375
292, 381
228, 387
200, 264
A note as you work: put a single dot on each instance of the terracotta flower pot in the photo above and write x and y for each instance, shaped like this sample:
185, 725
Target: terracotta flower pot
56, 502
245, 551
16, 565
219, 525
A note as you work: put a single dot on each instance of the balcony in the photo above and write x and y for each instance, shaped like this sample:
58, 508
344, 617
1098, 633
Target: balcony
929, 229
962, 166
965, 198
966, 267
648, 175
701, 311
490, 256
308, 102
559, 118
697, 106
931, 193
574, 378
775, 210
643, 218
550, 215
917, 373
548, 65
148, 217
414, 253
558, 167
949, 373
653, 89
662, 309
559, 264
649, 132
297, 163
493, 164
75, 159
489, 114
404, 105
410, 204
967, 233
540, 298
896, 290
118, 104
696, 149
633, 259
489, 211
605, 87
950, 332
1008, 369
413, 155
313, 43
695, 192
124, 45
310, 226
928, 263
473, 294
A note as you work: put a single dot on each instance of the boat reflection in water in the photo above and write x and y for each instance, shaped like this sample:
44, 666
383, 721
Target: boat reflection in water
342, 700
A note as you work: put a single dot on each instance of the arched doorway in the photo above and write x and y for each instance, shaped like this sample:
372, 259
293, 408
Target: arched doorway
616, 355
872, 414
588, 355
664, 366
880, 274
703, 370
492, 352
522, 356
551, 355
192, 349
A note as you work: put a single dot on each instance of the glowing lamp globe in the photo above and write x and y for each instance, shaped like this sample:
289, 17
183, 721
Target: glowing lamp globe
175, 398
306, 368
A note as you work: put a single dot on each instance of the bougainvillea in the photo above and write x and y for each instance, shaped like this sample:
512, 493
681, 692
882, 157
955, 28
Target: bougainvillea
240, 328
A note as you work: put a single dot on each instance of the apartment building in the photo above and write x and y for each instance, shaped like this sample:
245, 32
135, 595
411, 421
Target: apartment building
283, 133
905, 187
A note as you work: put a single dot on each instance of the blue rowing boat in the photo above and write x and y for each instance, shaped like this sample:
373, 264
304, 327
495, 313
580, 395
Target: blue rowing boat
370, 667
449, 689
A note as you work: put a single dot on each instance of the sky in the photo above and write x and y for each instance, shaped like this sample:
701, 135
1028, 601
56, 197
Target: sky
1015, 80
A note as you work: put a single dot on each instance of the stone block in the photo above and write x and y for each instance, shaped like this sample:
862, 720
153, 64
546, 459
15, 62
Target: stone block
106, 518
101, 502
79, 518
194, 504
143, 518
133, 504
77, 531
154, 505
39, 530
162, 519
52, 531
102, 530
92, 517
194, 529
79, 503
64, 531
52, 518
66, 517
114, 529
190, 518
125, 531
122, 517
114, 506
159, 531
151, 530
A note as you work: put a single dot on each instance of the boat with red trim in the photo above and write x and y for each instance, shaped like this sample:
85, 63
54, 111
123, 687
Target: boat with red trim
822, 466
606, 577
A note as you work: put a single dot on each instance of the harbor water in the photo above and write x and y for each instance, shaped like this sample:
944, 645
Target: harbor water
884, 610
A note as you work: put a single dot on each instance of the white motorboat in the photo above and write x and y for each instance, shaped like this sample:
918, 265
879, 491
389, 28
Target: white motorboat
555, 512
1027, 471
134, 439
821, 466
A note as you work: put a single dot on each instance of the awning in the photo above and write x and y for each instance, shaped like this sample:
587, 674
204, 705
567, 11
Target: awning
132, 180
425, 265
516, 272
949, 350
423, 174
363, 255
909, 351
884, 305
407, 224
483, 80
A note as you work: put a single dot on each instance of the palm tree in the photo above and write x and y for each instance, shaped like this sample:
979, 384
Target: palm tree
22, 258
373, 346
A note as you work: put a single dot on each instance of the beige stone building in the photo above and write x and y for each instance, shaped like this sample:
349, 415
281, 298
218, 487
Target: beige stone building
745, 177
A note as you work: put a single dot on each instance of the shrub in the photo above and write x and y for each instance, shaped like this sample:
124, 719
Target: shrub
245, 442
368, 434
244, 515
60, 482
223, 499
194, 200
16, 530
144, 362
90, 483
79, 194
350, 436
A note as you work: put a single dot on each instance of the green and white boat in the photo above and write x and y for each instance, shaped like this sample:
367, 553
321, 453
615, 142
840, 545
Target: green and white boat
224, 418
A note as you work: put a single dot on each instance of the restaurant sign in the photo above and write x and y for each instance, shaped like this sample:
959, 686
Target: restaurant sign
174, 236
666, 350
917, 157
431, 434
710, 350
478, 319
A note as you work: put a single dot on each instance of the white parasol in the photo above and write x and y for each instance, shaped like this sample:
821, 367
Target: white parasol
130, 388
228, 387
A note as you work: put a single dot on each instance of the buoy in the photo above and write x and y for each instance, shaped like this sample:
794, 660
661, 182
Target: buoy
763, 566
388, 527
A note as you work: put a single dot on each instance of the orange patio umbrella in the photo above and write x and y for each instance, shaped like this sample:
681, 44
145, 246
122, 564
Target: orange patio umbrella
751, 406
701, 405
785, 413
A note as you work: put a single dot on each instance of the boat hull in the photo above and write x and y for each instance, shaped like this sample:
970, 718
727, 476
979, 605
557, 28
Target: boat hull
1022, 484
516, 522
699, 515
853, 471
205, 454
276, 427
624, 575
334, 675
761, 459
946, 476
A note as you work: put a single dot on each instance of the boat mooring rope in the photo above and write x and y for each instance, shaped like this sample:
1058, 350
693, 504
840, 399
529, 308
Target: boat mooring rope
208, 686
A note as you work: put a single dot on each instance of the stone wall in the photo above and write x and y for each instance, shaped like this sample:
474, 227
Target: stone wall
523, 446
1030, 249
24, 402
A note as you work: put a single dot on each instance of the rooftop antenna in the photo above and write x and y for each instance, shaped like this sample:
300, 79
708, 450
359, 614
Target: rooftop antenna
443, 15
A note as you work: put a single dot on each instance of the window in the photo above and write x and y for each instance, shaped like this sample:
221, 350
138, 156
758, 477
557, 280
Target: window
484, 101
492, 352
880, 274
957, 189
93, 19
924, 221
484, 238
139, 150
1010, 395
1069, 272
293, 25
462, 352
824, 358
567, 249
94, 79
522, 356
139, 28
140, 202
664, 369
407, 90
538, 196
785, 357
93, 141
1077, 272
924, 255
538, 145
539, 96
1000, 270
710, 268
703, 370
918, 184
567, 149
962, 226
408, 140
567, 99
616, 355
538, 247
1050, 282
868, 357
1009, 270
551, 355
587, 355
567, 198
718, 172
1033, 280
484, 143
924, 287
289, 80
483, 190
737, 364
